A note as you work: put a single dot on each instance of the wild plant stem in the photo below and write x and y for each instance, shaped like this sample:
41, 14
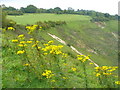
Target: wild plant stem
86, 82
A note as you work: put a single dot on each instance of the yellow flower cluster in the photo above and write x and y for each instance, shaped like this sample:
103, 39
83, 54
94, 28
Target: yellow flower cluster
64, 77
73, 69
21, 36
22, 45
53, 49
21, 52
117, 82
35, 44
22, 42
47, 74
29, 42
11, 28
32, 28
51, 42
64, 55
26, 64
105, 70
82, 58
15, 41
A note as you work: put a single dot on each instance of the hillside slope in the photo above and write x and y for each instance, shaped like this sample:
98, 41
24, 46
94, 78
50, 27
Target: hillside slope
34, 59
89, 38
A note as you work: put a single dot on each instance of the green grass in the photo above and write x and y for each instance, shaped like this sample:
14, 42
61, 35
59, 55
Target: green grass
85, 36
33, 18
15, 74
78, 32
81, 33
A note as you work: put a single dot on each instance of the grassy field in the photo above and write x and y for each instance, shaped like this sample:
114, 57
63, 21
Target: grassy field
88, 37
42, 63
32, 18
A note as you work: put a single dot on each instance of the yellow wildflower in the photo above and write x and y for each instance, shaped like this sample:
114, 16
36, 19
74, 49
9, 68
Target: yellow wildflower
45, 44
64, 77
31, 39
22, 42
34, 45
45, 53
104, 68
90, 63
40, 27
98, 74
14, 41
107, 73
47, 74
44, 49
20, 52
97, 67
21, 45
117, 82
26, 64
37, 41
21, 36
82, 58
111, 70
10, 28
64, 55
53, 81
51, 42
39, 47
29, 42
35, 25
73, 69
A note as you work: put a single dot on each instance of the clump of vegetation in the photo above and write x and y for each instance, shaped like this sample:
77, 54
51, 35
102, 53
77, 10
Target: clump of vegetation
49, 24
7, 22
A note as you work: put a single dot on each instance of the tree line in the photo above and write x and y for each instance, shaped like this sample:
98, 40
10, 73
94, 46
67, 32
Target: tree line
96, 16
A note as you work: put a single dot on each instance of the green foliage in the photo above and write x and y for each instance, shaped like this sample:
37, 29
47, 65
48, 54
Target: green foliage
15, 13
101, 19
7, 22
49, 24
8, 8
29, 9
11, 11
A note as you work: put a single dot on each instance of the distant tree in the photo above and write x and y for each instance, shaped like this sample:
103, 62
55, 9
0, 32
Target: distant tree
22, 9
9, 8
15, 12
57, 10
107, 15
30, 9
3, 6
70, 10
64, 11
50, 10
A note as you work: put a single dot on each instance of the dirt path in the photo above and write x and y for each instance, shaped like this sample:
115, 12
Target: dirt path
74, 49
115, 36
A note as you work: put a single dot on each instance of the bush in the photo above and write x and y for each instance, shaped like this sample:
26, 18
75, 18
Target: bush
7, 22
97, 19
49, 24
15, 13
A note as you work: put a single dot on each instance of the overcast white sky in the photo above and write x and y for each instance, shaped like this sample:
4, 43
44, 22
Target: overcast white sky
105, 6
